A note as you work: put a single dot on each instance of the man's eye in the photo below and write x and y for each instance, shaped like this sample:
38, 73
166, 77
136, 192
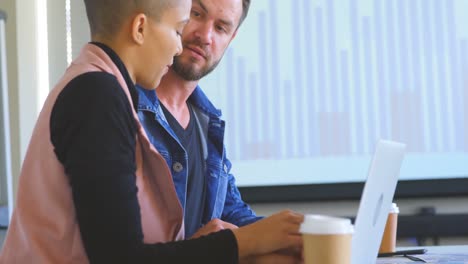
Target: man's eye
220, 29
195, 14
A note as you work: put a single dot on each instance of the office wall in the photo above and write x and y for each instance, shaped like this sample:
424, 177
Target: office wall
9, 6
57, 39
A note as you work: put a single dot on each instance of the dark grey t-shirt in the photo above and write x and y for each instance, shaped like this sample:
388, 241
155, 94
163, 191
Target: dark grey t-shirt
196, 187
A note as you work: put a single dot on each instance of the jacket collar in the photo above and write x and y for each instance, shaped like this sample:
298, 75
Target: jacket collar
148, 100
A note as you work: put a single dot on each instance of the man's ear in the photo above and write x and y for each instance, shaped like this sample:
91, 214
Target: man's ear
139, 28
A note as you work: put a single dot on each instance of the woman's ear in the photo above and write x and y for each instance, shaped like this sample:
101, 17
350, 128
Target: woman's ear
139, 28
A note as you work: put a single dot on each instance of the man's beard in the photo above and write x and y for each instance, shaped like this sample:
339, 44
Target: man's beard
189, 73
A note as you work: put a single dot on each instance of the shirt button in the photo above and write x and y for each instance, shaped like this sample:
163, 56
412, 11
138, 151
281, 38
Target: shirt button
177, 167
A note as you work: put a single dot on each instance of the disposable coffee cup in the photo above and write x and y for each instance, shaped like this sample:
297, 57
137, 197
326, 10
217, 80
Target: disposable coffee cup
327, 240
389, 237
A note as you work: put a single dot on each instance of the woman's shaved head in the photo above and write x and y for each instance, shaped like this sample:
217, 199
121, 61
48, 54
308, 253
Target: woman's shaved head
106, 17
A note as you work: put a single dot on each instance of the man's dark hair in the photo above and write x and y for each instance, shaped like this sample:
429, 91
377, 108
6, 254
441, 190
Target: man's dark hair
107, 16
245, 10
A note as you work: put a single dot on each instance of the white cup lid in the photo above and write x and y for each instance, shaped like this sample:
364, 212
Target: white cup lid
394, 209
326, 225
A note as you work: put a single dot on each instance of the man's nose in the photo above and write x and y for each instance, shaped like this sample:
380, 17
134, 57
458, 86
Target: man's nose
205, 33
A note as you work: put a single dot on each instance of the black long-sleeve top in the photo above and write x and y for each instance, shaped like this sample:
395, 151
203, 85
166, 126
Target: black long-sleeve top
94, 135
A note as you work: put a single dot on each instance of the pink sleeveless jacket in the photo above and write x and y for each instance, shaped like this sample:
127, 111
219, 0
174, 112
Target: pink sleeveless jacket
44, 228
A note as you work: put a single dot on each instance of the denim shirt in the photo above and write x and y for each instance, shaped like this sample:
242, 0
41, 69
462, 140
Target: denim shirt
223, 199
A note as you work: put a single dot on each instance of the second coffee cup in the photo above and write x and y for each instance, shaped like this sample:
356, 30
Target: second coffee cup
390, 234
327, 240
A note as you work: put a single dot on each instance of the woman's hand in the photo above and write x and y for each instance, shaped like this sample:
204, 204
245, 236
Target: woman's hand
276, 233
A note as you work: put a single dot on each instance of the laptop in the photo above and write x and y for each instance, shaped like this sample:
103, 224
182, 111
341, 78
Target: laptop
376, 201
